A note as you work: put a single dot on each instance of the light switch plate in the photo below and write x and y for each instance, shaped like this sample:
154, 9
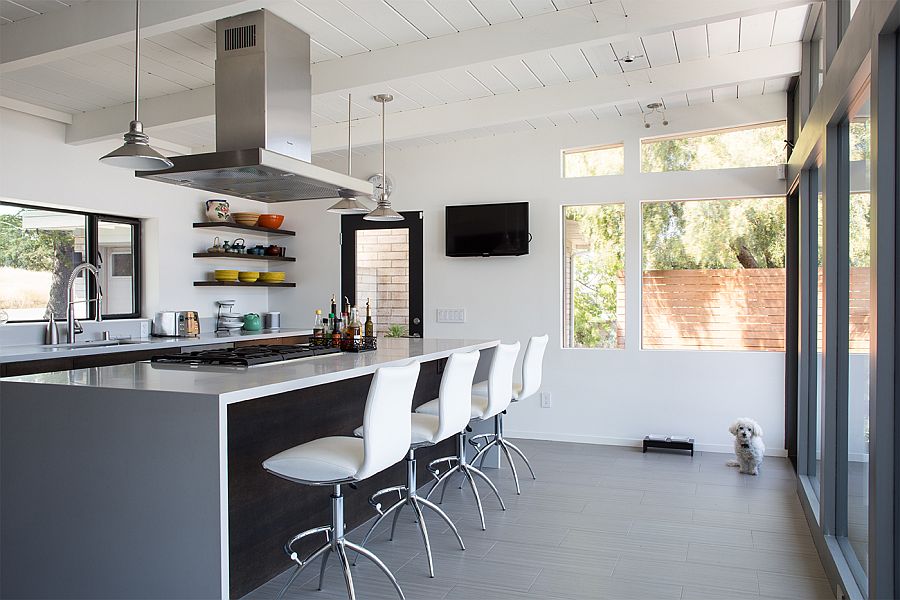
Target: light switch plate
451, 315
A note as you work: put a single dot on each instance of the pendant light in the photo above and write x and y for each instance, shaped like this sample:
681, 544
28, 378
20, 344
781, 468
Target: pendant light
349, 204
136, 153
383, 212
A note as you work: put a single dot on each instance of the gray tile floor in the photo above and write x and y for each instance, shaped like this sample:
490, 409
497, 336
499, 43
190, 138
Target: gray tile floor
602, 522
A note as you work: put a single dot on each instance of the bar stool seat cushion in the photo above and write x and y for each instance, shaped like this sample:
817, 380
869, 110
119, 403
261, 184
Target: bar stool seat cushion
325, 459
424, 428
481, 389
479, 406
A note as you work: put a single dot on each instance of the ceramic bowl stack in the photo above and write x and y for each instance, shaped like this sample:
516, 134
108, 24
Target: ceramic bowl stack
272, 277
247, 219
228, 275
248, 276
231, 321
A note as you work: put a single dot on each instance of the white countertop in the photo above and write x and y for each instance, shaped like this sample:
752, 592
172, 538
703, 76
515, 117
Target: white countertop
235, 384
9, 354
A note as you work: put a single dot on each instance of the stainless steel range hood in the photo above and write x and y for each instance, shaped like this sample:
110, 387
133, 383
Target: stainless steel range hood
263, 120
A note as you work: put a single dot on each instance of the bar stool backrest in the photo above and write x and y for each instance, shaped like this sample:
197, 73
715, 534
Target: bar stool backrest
533, 365
500, 378
455, 398
386, 421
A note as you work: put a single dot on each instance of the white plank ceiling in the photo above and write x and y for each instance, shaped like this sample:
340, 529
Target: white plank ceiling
183, 60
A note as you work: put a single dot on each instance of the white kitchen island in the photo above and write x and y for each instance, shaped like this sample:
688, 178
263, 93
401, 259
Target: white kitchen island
145, 480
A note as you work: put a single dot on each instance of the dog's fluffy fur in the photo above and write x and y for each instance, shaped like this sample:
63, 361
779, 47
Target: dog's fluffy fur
748, 446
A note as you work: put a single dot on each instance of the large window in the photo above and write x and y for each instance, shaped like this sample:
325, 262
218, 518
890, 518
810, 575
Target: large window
859, 307
594, 276
713, 274
593, 162
39, 248
740, 147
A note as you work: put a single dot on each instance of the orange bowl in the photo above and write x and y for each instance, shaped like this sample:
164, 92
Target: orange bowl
270, 221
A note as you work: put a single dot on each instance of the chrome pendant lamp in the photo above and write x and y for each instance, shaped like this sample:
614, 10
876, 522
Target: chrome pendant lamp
136, 153
349, 204
383, 212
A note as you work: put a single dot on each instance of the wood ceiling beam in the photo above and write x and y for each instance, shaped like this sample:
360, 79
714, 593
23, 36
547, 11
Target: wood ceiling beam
764, 63
98, 24
583, 26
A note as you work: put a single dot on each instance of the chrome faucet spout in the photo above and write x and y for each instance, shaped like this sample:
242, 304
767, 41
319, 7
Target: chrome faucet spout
71, 302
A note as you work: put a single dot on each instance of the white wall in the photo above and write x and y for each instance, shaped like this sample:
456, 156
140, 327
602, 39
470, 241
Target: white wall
38, 167
606, 396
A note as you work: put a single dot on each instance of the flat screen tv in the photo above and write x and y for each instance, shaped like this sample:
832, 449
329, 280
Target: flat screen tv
487, 229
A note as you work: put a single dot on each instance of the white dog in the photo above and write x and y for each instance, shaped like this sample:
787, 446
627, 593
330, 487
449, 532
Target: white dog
748, 446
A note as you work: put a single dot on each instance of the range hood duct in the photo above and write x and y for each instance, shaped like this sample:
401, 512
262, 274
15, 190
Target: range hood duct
263, 120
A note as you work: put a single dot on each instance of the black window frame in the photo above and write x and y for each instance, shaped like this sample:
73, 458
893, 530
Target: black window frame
91, 234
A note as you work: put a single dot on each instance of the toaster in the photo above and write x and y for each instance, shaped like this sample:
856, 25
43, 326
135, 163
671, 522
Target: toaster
176, 323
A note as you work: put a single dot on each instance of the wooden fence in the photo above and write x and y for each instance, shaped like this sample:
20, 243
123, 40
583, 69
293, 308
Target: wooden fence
732, 309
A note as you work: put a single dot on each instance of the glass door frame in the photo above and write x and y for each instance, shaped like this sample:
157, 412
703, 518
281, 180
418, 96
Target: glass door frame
412, 221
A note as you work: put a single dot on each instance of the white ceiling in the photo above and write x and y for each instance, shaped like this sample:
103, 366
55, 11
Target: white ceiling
181, 59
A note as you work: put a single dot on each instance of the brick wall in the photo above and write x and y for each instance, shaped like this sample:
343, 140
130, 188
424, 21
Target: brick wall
382, 275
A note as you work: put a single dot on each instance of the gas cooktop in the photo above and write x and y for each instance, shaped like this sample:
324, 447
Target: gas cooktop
248, 356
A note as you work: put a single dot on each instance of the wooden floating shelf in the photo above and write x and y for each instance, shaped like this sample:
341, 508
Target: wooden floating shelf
230, 226
234, 256
283, 284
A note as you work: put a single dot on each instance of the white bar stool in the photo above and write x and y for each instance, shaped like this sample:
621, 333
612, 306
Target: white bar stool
482, 408
427, 430
532, 372
342, 459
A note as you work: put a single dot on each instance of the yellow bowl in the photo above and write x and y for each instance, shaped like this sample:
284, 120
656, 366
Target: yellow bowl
272, 276
225, 275
248, 276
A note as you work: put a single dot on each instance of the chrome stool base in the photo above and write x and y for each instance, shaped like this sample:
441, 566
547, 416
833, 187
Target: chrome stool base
337, 544
409, 497
469, 473
497, 439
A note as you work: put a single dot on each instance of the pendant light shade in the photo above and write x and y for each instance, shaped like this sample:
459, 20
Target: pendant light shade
136, 153
383, 212
349, 204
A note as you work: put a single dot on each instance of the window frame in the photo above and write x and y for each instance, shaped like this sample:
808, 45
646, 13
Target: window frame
591, 148
707, 132
642, 320
91, 234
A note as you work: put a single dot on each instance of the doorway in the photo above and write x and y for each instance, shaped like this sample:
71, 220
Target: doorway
381, 264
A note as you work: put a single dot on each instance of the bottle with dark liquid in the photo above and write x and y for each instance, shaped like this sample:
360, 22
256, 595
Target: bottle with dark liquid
318, 327
355, 328
334, 311
370, 326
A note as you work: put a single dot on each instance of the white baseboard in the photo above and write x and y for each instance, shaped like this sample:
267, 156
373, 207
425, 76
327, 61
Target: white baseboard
613, 441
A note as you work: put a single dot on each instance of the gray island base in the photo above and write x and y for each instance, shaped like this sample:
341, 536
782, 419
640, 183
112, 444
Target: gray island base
145, 481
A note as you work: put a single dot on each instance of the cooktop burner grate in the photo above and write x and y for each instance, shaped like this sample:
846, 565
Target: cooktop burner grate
247, 356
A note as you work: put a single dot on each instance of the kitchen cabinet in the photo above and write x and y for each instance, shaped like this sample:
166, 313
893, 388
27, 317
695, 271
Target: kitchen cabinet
30, 367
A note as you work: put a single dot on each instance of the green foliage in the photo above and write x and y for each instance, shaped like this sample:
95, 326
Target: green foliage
709, 234
595, 272
750, 147
30, 249
594, 162
396, 331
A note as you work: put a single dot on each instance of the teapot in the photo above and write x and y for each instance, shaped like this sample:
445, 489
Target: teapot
258, 250
238, 246
273, 250
217, 210
252, 322
216, 247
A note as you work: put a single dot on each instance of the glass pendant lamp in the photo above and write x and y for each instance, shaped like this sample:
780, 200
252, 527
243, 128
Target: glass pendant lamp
137, 153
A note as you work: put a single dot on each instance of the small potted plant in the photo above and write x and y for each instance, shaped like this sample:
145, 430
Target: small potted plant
395, 331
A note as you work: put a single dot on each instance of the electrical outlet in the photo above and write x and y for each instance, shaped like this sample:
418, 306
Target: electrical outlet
145, 329
451, 315
546, 400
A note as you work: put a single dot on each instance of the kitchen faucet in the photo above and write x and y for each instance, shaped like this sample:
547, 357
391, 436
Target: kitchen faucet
71, 323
